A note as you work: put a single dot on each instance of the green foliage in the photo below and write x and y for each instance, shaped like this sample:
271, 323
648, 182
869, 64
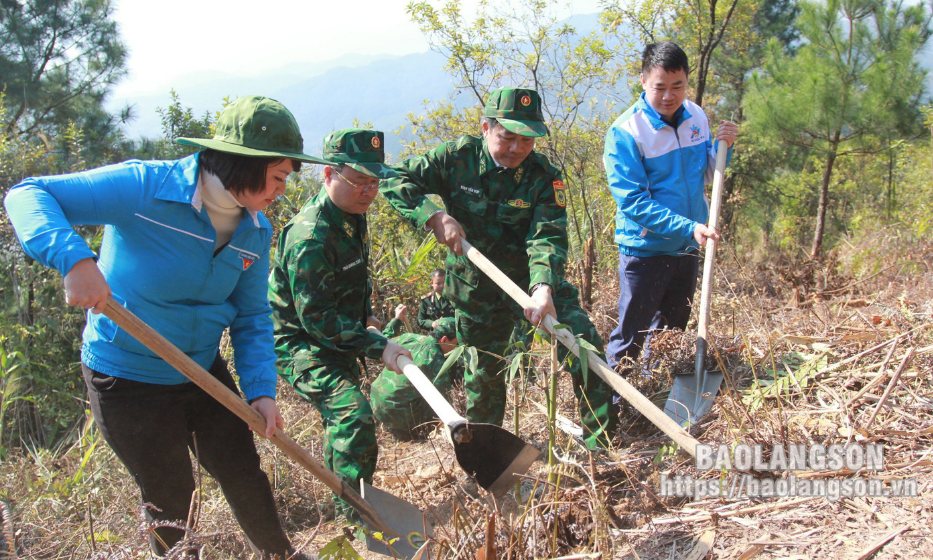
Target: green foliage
39, 335
792, 375
180, 122
665, 453
853, 87
58, 60
339, 548
524, 44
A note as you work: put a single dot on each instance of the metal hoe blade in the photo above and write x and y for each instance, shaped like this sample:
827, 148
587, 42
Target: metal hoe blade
495, 457
401, 517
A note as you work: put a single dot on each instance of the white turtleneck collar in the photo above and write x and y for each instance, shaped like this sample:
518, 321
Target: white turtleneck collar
224, 210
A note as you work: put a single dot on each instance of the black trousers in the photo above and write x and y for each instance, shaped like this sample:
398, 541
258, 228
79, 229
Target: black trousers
150, 429
654, 293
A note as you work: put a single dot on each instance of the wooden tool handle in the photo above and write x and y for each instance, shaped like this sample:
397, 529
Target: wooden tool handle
597, 364
434, 398
213, 387
709, 262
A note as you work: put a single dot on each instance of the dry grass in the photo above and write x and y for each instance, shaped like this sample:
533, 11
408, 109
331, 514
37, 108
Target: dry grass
818, 321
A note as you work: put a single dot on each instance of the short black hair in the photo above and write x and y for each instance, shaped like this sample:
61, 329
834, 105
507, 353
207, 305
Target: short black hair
438, 272
240, 173
667, 55
437, 336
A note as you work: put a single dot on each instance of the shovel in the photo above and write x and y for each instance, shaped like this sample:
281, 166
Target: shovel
393, 517
597, 364
692, 393
493, 456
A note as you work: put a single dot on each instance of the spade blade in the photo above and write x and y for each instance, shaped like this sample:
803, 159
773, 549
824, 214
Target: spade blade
495, 457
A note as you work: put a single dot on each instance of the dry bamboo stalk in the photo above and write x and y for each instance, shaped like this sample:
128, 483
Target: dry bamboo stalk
874, 381
891, 385
884, 364
753, 509
876, 546
703, 546
878, 346
751, 552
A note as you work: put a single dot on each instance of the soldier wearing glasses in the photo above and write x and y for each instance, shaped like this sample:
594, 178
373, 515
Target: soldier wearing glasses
320, 291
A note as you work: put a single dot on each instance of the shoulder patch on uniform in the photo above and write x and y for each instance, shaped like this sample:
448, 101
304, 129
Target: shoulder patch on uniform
466, 141
560, 193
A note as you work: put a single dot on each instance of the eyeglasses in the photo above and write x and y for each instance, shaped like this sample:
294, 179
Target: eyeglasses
373, 186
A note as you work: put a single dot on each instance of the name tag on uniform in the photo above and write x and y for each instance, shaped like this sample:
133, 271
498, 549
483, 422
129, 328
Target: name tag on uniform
351, 265
472, 190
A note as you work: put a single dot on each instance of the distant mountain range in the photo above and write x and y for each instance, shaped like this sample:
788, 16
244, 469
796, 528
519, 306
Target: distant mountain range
323, 97
327, 96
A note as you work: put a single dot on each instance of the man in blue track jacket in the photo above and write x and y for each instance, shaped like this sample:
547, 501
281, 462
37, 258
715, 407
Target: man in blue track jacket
658, 157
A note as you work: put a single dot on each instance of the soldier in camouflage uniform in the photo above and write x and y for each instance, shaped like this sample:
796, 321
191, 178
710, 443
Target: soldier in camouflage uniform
509, 202
320, 291
395, 401
434, 305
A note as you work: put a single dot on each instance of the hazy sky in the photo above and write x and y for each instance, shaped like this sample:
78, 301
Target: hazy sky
170, 39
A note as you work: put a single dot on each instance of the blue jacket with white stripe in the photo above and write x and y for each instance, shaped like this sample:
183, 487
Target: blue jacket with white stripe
158, 256
656, 174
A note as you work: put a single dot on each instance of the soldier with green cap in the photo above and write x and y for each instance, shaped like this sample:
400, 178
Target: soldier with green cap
395, 401
434, 305
509, 202
186, 249
320, 291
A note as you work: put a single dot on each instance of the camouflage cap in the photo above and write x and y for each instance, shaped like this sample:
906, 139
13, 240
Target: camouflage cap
518, 110
255, 126
359, 148
446, 326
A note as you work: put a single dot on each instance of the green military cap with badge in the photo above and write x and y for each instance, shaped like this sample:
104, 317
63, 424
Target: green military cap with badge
360, 149
256, 126
446, 326
518, 110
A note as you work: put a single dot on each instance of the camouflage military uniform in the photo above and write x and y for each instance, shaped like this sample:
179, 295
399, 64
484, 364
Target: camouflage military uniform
516, 217
320, 292
395, 401
433, 307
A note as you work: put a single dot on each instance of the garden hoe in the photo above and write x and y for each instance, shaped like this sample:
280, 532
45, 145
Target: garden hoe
692, 393
597, 364
400, 523
492, 455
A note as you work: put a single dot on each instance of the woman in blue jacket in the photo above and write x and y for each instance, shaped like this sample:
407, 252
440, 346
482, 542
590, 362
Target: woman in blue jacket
185, 248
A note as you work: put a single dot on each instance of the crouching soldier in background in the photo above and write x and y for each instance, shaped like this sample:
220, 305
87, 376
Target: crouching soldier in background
395, 401
434, 305
320, 290
509, 202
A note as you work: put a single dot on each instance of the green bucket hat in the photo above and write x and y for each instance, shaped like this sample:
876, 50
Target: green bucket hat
359, 148
446, 326
256, 126
518, 110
